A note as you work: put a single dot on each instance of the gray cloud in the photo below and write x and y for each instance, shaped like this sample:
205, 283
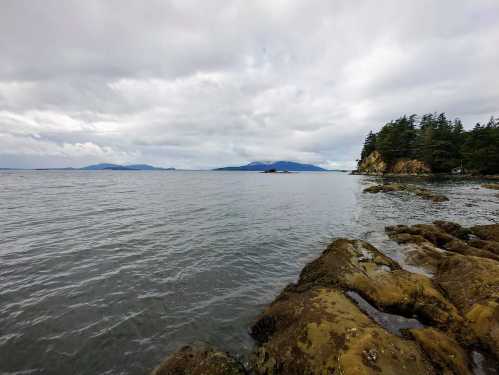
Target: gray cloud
198, 84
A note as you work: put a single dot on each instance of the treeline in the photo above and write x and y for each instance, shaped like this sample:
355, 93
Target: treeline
441, 143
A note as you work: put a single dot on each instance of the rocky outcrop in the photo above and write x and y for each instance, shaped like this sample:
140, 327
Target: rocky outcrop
317, 327
472, 284
465, 268
408, 166
322, 331
418, 191
358, 266
375, 165
199, 359
433, 239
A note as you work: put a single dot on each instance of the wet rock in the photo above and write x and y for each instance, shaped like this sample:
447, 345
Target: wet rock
425, 255
322, 331
445, 353
358, 266
418, 191
444, 235
472, 284
486, 232
453, 229
384, 188
199, 359
491, 186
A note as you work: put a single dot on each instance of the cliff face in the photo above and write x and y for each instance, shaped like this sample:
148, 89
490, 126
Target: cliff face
374, 164
407, 166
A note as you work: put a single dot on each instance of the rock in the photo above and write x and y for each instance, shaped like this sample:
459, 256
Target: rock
418, 191
385, 188
491, 246
445, 353
199, 359
373, 164
453, 229
410, 166
358, 266
322, 331
429, 232
486, 232
472, 284
491, 186
444, 235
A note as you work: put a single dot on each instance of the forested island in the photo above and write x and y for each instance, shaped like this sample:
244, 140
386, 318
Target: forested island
431, 144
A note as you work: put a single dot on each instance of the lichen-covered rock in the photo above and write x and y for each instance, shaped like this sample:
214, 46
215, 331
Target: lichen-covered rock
199, 359
445, 353
418, 191
358, 266
322, 331
472, 284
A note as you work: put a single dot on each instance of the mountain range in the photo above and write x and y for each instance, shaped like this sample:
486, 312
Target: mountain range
117, 167
278, 165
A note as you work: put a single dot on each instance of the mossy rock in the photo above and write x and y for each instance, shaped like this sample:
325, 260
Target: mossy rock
322, 331
358, 266
445, 353
199, 359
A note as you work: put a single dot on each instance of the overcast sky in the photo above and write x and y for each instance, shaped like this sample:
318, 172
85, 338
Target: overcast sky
201, 84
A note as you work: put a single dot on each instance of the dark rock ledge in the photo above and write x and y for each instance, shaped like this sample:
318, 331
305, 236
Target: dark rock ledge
356, 311
418, 191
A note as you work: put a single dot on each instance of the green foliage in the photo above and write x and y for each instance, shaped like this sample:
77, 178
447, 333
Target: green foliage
441, 143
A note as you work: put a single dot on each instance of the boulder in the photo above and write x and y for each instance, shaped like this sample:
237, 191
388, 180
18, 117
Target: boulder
322, 331
358, 266
199, 359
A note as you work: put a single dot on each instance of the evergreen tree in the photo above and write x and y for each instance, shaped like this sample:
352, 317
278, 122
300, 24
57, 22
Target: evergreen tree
439, 142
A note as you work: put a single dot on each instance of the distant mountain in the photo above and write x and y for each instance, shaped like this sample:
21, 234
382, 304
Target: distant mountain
117, 167
278, 165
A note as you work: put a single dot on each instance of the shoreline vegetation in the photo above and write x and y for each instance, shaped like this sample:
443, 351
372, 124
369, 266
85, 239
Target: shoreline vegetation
356, 311
432, 145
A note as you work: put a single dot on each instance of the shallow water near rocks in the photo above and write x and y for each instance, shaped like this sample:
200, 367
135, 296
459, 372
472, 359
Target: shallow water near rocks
107, 272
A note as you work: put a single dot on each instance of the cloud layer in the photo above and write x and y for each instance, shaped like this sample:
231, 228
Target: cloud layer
200, 84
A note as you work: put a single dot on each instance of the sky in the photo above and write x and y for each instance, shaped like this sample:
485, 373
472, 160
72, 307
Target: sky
203, 84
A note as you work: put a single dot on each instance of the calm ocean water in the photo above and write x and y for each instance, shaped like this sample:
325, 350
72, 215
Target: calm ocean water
107, 272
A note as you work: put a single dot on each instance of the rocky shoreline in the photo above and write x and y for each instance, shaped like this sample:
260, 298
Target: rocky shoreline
356, 311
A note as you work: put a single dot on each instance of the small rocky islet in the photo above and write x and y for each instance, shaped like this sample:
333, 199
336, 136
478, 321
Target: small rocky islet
354, 310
